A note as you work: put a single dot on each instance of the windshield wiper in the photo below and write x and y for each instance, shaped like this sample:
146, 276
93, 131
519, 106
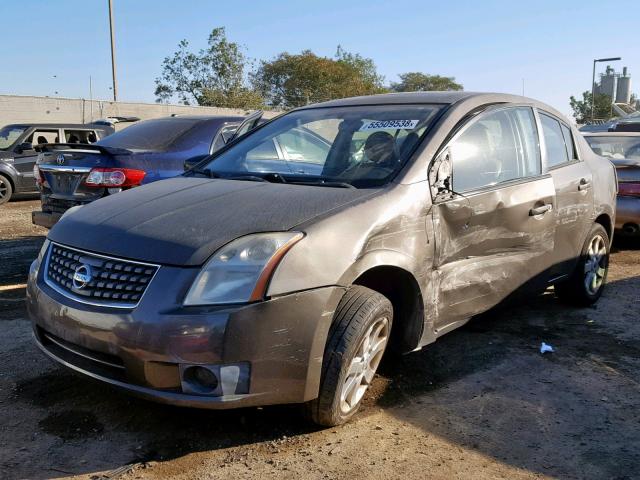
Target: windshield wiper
324, 183
248, 178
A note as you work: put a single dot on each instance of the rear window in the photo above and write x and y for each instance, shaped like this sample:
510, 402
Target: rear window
150, 135
616, 148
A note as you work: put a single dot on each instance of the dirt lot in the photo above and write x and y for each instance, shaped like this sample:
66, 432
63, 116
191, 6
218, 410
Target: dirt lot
482, 402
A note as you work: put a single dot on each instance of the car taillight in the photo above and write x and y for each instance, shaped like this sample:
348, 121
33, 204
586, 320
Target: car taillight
114, 177
37, 174
629, 189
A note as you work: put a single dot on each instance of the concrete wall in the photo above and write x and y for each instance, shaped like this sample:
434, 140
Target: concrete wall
25, 109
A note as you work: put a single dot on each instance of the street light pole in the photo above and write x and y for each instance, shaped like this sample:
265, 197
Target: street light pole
113, 53
593, 80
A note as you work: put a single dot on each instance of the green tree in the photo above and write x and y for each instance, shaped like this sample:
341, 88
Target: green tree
212, 76
423, 82
582, 108
293, 80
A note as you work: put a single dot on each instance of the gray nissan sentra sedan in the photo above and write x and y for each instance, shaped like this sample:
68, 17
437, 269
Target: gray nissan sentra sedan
283, 267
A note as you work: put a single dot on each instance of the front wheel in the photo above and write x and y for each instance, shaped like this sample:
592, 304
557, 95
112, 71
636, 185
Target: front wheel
5, 189
357, 340
586, 284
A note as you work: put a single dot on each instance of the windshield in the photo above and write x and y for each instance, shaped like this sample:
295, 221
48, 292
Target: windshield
616, 147
347, 146
9, 135
150, 135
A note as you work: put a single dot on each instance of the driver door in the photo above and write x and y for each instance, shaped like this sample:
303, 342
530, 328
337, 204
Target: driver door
496, 232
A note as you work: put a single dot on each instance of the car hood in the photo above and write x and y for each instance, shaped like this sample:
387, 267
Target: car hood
183, 221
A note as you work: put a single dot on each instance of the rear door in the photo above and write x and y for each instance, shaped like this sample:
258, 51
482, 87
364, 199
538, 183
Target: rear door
496, 233
572, 180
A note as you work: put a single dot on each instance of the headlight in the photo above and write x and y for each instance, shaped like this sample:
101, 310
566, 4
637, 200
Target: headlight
240, 271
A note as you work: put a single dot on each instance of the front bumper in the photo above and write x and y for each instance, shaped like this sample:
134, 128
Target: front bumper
45, 219
141, 350
628, 215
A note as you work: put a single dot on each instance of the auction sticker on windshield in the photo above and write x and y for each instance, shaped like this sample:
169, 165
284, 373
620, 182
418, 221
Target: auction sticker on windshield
388, 124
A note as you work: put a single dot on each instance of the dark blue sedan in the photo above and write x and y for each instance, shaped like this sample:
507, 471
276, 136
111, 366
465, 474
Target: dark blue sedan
69, 174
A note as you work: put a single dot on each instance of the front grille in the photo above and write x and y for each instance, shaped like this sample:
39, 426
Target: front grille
103, 364
107, 281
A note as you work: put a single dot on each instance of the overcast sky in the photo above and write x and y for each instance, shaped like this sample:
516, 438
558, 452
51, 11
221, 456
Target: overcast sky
489, 45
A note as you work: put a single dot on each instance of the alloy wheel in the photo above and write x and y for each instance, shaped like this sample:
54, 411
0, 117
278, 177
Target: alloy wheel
595, 265
364, 364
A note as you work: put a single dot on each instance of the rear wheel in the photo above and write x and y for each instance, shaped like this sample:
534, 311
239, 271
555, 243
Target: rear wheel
586, 284
5, 189
357, 340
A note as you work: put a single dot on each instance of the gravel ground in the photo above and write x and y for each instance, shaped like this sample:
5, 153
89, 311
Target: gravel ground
482, 402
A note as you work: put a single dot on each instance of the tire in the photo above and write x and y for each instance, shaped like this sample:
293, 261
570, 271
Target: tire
587, 282
6, 190
362, 319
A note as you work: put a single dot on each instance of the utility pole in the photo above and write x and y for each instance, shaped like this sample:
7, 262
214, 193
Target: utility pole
113, 52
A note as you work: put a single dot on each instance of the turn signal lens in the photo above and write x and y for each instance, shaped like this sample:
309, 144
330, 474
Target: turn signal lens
37, 174
114, 177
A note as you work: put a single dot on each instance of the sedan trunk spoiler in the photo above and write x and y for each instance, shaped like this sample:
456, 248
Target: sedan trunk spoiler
81, 148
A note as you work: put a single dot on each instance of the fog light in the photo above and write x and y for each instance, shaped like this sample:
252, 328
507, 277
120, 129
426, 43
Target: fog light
215, 380
200, 379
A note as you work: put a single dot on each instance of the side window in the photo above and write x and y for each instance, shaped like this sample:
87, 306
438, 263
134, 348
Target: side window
265, 151
40, 137
494, 149
223, 136
554, 141
79, 136
568, 140
300, 146
530, 145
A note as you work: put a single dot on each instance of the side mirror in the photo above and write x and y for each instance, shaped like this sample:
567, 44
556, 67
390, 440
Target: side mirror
440, 176
24, 147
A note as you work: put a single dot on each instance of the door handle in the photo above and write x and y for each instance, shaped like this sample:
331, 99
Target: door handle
584, 185
540, 210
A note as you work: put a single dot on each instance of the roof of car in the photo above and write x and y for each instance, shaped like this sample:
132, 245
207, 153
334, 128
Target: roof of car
442, 98
611, 134
398, 98
58, 125
225, 118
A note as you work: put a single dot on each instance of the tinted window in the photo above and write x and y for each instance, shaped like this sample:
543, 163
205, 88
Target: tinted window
497, 147
554, 141
568, 140
152, 135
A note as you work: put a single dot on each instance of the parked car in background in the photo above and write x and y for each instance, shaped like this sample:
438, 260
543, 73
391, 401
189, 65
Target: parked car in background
70, 175
623, 149
242, 283
18, 155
